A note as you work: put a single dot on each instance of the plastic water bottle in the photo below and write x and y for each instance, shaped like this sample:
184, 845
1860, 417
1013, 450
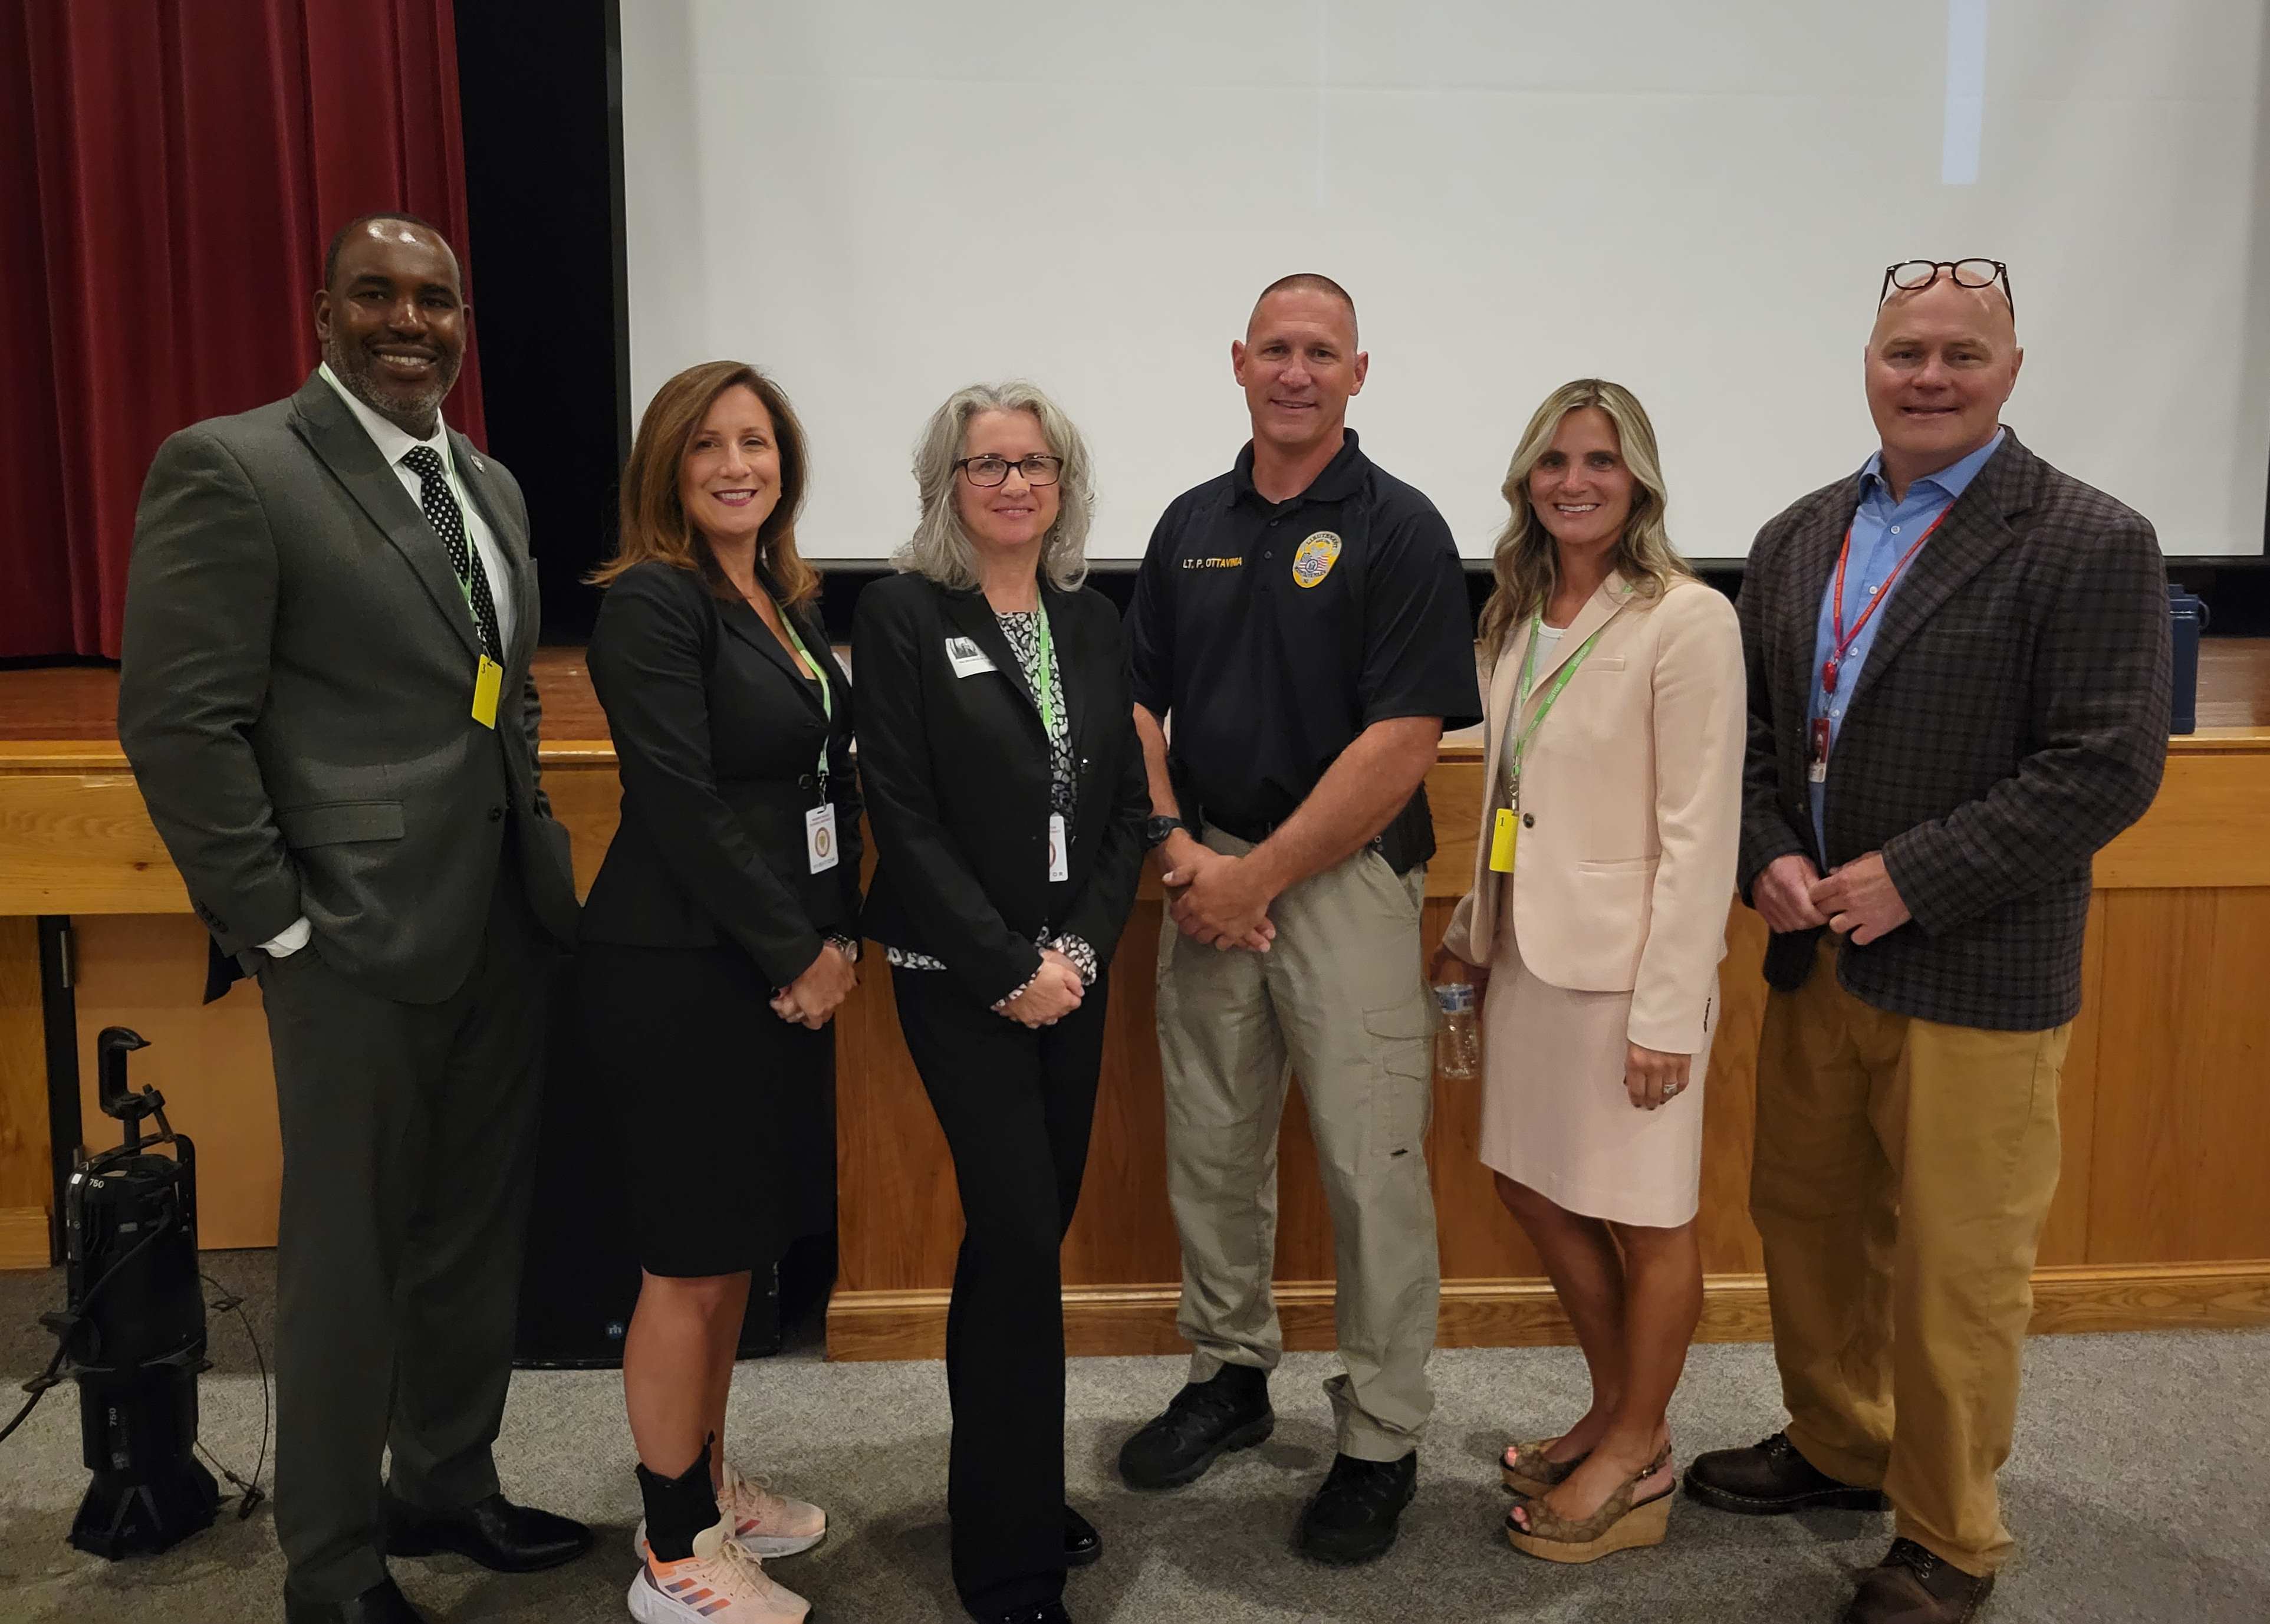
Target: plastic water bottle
1459, 1039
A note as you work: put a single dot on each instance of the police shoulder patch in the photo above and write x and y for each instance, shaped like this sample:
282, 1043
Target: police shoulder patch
1314, 558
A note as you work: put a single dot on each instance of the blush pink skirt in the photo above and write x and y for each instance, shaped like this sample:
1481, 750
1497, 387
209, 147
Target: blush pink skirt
1556, 1115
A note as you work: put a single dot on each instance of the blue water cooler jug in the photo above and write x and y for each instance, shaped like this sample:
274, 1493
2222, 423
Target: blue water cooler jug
2187, 618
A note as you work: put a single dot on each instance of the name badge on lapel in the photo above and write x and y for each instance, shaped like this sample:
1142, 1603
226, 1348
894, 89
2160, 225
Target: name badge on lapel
967, 658
1059, 854
819, 838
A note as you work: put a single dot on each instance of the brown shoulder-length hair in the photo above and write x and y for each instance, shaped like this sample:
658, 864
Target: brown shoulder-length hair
654, 523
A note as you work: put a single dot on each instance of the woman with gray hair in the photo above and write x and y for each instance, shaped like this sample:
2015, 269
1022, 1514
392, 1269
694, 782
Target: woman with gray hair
1006, 793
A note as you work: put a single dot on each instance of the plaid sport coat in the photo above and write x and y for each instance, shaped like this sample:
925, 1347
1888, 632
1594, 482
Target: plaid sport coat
2011, 719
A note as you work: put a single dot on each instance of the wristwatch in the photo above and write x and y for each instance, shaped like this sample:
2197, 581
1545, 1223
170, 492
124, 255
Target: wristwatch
1156, 830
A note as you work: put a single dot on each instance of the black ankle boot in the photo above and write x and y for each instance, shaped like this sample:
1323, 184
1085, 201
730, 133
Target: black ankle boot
1228, 1411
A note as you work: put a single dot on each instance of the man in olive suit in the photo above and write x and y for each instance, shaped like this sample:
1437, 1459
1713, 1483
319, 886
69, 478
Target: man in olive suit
326, 698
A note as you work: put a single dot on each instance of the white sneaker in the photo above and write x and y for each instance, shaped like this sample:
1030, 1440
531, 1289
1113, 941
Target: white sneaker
764, 1523
720, 1583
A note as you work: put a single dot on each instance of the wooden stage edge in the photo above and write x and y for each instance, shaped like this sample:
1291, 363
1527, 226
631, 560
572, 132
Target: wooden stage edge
1140, 1319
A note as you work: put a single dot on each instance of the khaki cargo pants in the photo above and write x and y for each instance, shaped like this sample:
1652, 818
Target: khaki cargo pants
1340, 1001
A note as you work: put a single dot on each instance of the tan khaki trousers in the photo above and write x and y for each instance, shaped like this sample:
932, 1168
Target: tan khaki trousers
1340, 999
1903, 1170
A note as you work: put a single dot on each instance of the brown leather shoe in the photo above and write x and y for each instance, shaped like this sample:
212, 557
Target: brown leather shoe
1771, 1478
1914, 1586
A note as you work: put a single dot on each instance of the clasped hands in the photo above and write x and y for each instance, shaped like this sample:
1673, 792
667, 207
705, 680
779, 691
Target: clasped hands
1216, 899
810, 1000
1857, 900
1055, 990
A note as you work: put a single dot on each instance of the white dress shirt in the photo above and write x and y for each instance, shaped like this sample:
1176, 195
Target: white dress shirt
393, 444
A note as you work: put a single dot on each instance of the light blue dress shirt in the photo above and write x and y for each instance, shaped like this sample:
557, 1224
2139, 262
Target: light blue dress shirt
1882, 532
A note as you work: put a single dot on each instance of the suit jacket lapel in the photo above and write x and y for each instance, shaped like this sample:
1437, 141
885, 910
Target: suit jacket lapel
512, 542
1976, 529
322, 419
1603, 606
1070, 692
971, 616
1812, 560
741, 617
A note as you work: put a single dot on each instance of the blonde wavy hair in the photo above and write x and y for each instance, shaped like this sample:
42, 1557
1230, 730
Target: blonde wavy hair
940, 547
1526, 563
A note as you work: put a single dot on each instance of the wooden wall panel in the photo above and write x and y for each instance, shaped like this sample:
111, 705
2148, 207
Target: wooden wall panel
2164, 1130
27, 1173
208, 1060
2183, 1058
2065, 1234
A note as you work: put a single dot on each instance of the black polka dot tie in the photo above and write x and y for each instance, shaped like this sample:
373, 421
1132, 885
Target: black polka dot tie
441, 512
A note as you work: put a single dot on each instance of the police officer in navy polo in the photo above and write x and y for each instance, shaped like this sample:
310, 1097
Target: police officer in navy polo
1300, 639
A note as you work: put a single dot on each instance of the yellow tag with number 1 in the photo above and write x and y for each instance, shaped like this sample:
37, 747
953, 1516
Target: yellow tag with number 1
1502, 836
488, 682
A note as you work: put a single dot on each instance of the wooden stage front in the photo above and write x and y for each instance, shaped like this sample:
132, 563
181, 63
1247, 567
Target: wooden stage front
2163, 1217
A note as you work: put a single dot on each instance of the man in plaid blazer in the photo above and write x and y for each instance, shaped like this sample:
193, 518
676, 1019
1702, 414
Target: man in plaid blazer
1958, 678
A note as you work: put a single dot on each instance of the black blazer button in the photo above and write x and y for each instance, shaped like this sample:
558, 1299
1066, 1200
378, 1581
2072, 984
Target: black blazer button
1529, 821
496, 814
806, 781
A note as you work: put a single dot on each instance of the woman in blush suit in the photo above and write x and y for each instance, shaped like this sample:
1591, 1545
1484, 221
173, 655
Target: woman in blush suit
997, 744
717, 946
1596, 919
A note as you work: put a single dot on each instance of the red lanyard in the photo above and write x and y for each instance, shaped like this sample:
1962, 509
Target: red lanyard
1843, 639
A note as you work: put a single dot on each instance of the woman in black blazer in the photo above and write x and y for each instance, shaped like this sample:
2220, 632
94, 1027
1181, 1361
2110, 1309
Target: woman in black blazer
1006, 792
716, 944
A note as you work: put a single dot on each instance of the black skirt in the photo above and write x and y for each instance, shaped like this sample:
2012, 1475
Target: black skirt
728, 1112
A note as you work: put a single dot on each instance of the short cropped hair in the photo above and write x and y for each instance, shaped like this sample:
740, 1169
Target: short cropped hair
339, 237
1305, 282
941, 548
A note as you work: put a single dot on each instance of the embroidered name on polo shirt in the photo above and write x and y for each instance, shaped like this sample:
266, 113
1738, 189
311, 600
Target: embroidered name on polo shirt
1212, 563
1315, 558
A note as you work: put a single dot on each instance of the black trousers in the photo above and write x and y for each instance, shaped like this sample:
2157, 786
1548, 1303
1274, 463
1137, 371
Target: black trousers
409, 1134
1016, 1104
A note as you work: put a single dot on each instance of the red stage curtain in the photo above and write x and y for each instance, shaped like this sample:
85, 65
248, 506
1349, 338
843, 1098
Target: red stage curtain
170, 171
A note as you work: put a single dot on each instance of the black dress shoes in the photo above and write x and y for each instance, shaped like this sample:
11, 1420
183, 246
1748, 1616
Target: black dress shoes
1352, 1518
499, 1535
1771, 1478
1082, 1543
1047, 1613
1229, 1410
380, 1604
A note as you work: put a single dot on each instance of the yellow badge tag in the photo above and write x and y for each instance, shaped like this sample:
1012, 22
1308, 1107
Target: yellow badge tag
1315, 557
488, 682
1502, 836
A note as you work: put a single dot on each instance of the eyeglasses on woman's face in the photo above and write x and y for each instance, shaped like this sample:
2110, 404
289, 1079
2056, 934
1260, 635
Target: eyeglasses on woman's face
991, 471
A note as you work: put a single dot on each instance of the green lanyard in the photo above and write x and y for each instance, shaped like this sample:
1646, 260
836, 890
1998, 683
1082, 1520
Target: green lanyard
1521, 697
826, 693
1044, 677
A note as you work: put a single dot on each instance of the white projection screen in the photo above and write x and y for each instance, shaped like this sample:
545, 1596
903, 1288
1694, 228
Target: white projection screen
880, 201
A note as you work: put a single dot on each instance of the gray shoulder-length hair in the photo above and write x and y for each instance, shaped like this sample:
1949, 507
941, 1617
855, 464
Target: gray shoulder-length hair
941, 548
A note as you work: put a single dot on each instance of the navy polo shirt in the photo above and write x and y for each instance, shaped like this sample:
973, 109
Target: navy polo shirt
1274, 633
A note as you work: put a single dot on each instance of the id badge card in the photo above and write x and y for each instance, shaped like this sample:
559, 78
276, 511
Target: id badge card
819, 838
1816, 757
1503, 834
488, 683
1059, 857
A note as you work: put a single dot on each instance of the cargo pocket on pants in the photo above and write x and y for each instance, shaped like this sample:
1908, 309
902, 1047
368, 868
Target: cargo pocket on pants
1403, 1073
